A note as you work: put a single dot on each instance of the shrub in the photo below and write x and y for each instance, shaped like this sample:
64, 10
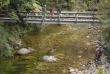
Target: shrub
5, 48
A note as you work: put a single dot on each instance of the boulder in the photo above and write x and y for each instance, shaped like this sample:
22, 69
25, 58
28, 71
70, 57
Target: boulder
49, 58
23, 51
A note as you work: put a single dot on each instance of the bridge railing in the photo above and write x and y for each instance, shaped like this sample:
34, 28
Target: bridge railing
64, 16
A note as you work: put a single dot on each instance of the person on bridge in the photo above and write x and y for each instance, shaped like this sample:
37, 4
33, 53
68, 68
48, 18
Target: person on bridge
59, 11
52, 12
44, 12
35, 10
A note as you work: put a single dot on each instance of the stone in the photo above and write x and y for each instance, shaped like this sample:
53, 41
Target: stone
76, 70
79, 57
95, 28
30, 49
105, 46
23, 51
71, 69
73, 73
79, 72
88, 36
89, 27
49, 58
52, 50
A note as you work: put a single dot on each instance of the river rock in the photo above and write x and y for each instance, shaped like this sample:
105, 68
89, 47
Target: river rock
89, 27
87, 36
49, 58
71, 69
79, 57
30, 49
23, 51
52, 50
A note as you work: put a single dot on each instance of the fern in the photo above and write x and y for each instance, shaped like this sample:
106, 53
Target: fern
5, 48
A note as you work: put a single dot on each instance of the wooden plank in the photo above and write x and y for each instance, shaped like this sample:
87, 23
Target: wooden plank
63, 12
64, 16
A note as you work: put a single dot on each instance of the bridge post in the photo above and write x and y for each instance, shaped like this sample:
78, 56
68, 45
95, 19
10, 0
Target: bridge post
58, 16
93, 18
26, 16
76, 17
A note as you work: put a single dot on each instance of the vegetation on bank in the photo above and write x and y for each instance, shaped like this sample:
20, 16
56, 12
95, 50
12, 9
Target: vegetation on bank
10, 35
106, 30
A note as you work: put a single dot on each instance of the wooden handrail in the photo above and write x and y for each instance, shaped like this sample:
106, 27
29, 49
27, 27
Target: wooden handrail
64, 16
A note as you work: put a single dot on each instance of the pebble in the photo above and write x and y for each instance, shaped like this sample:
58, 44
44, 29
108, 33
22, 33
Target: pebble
87, 36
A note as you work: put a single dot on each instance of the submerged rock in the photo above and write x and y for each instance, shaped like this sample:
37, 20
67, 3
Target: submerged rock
31, 49
88, 36
52, 50
79, 56
49, 58
71, 69
23, 51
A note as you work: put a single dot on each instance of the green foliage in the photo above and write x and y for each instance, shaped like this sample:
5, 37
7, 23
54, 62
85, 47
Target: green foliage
4, 3
102, 70
19, 5
13, 15
106, 33
105, 19
108, 52
5, 48
73, 4
10, 35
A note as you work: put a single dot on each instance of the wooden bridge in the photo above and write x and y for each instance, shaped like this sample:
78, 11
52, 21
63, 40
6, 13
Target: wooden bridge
89, 18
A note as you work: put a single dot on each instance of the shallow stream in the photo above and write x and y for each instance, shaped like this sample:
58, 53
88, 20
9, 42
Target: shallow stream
68, 42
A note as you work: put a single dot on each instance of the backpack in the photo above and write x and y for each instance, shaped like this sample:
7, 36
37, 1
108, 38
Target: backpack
99, 53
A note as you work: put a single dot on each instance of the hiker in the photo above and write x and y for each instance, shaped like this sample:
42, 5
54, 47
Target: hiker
52, 12
44, 12
98, 54
98, 63
35, 10
59, 11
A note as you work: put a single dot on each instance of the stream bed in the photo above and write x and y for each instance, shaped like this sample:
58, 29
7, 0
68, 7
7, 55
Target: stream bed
73, 49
